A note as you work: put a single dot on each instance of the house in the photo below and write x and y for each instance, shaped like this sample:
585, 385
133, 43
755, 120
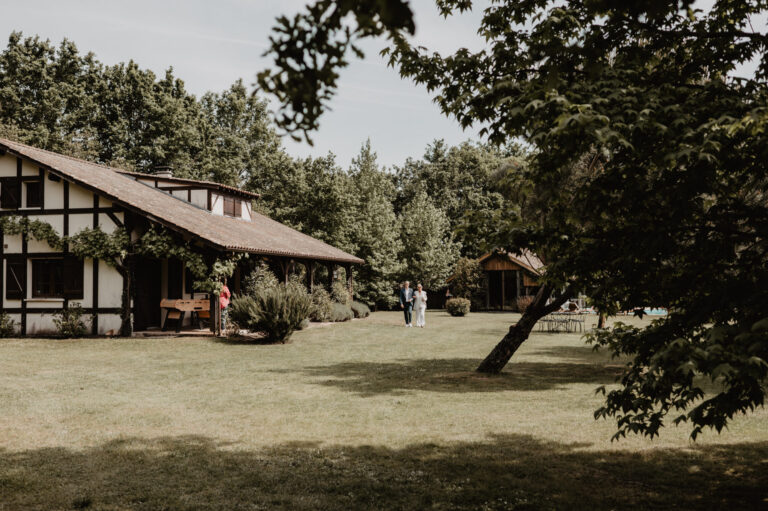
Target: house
507, 276
71, 194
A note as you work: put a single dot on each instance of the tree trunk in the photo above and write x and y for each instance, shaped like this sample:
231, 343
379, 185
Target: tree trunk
518, 333
601, 320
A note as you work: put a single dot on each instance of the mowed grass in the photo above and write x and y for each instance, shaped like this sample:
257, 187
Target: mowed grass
361, 415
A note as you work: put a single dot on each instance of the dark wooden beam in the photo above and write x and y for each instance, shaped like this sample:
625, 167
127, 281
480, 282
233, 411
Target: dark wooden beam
95, 277
503, 290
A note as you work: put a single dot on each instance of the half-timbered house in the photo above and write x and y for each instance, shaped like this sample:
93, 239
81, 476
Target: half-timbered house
72, 194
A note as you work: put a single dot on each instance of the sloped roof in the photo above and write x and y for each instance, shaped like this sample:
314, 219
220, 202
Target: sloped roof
192, 182
260, 236
524, 258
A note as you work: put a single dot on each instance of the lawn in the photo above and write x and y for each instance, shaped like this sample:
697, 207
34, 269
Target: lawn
359, 415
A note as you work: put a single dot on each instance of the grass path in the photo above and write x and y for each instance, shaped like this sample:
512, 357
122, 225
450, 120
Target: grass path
355, 415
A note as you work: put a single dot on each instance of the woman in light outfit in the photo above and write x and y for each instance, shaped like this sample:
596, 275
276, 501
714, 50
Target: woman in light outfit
419, 305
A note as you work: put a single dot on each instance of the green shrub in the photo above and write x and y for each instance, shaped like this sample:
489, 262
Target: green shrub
457, 306
7, 326
304, 324
322, 306
259, 280
522, 303
281, 310
244, 312
340, 293
69, 322
360, 310
341, 312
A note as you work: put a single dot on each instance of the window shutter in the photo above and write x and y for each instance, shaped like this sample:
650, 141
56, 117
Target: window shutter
10, 193
15, 278
72, 278
238, 208
229, 206
34, 194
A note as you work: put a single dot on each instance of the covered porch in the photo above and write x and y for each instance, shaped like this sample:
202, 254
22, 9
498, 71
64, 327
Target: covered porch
165, 301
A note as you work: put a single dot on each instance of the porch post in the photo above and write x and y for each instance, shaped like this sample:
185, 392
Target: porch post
517, 277
331, 269
503, 290
487, 290
310, 266
348, 270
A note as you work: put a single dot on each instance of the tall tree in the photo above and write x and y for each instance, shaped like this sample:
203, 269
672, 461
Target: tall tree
674, 194
375, 231
429, 251
57, 99
461, 180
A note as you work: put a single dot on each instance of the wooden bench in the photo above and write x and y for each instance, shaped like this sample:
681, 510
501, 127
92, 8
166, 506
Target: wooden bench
177, 309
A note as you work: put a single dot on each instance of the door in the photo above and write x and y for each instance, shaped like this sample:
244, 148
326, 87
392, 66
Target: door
146, 302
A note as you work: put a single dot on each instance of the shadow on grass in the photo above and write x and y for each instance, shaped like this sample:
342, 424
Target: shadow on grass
455, 375
506, 472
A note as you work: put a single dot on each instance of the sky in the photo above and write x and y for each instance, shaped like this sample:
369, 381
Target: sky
212, 44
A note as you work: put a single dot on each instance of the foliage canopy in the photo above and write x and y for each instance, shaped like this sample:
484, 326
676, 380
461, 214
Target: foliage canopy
671, 208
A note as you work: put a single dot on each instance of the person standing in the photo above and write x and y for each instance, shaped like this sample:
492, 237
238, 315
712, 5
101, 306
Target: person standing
224, 297
420, 305
406, 302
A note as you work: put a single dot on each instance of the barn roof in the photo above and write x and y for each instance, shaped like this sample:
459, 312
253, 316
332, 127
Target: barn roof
525, 259
262, 235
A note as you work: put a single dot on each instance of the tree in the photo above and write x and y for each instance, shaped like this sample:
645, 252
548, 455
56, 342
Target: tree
675, 193
429, 251
467, 279
57, 99
375, 231
461, 181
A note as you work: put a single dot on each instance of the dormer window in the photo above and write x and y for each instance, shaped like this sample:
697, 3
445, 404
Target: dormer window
233, 207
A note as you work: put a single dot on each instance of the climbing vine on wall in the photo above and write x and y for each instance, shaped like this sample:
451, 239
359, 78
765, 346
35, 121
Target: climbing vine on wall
37, 229
114, 248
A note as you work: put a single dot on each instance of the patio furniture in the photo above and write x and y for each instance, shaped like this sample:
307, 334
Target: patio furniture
177, 309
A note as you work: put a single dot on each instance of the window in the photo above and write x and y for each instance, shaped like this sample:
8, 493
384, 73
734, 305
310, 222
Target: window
57, 278
233, 207
15, 278
10, 193
34, 194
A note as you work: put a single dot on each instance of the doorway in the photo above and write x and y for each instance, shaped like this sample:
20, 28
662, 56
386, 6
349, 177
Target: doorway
146, 302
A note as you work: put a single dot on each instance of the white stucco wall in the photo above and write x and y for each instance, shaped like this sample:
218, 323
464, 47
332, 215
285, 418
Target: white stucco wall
200, 198
7, 166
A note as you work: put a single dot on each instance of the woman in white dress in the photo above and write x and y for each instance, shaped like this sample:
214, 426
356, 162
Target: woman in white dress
419, 305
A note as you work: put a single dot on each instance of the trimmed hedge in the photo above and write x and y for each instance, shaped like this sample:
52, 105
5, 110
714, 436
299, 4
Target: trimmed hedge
341, 312
458, 306
360, 310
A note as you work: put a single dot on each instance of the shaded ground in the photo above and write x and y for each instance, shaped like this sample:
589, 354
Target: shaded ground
506, 472
456, 375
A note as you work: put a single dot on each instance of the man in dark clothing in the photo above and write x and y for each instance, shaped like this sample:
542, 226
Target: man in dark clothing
406, 302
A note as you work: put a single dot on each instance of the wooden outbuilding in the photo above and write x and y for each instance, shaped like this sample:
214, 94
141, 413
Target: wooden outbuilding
509, 276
